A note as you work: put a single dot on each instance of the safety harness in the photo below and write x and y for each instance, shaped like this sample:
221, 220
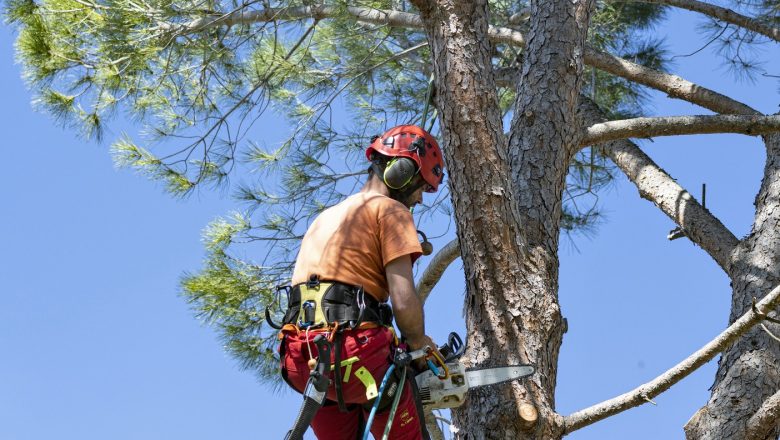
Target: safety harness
335, 307
318, 304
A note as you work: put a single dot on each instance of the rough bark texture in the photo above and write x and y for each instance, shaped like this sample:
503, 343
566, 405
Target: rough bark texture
749, 372
759, 426
544, 134
490, 239
511, 308
511, 304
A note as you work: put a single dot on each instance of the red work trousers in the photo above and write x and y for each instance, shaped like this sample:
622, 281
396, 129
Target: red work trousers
373, 348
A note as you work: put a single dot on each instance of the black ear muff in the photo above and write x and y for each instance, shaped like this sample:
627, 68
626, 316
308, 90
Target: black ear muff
399, 172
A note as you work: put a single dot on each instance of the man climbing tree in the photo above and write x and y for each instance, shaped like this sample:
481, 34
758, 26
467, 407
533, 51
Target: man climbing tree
355, 256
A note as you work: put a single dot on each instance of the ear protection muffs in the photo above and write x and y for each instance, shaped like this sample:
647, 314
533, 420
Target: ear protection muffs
399, 172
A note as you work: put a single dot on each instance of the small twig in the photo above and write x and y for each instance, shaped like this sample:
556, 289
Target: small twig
676, 233
442, 419
771, 335
763, 315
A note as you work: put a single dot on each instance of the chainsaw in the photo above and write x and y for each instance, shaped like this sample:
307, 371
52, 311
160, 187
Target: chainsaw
446, 385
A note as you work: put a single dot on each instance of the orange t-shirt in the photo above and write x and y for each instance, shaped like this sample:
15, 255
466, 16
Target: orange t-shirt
353, 241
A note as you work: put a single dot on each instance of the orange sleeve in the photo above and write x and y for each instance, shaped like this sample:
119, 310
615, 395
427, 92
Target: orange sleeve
397, 233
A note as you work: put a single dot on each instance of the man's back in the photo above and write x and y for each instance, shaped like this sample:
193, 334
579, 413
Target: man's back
354, 240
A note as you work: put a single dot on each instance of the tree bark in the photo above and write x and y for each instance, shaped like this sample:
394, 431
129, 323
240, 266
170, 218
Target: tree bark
475, 150
751, 125
749, 372
512, 313
544, 134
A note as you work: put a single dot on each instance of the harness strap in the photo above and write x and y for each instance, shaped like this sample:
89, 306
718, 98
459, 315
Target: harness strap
338, 339
318, 304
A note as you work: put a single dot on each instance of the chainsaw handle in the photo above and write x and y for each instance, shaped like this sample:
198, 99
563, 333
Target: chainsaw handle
453, 349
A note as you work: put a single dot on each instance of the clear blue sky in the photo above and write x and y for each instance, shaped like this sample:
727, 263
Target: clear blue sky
97, 344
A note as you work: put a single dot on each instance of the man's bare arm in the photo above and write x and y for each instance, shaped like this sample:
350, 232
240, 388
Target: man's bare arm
407, 307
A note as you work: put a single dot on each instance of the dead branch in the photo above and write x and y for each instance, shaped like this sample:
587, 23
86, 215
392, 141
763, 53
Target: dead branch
436, 268
766, 418
680, 125
723, 14
663, 382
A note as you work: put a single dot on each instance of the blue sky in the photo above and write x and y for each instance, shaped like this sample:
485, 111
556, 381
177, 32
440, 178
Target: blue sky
97, 343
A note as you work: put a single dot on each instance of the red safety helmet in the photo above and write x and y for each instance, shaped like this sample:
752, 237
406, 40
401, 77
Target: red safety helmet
415, 143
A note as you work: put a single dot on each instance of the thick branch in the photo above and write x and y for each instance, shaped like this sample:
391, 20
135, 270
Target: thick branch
656, 185
672, 85
645, 392
436, 268
678, 125
765, 419
724, 14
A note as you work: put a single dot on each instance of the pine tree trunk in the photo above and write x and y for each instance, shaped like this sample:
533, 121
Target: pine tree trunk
749, 372
507, 198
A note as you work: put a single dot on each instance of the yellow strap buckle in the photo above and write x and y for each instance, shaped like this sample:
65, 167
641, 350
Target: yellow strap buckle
368, 380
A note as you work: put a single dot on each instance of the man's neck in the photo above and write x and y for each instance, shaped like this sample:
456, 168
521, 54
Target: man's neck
374, 185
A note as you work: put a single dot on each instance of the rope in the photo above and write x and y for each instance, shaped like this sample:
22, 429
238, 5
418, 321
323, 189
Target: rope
393, 408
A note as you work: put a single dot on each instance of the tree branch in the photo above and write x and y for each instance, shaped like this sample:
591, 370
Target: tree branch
645, 392
723, 14
363, 15
673, 85
436, 268
244, 17
679, 125
766, 418
656, 185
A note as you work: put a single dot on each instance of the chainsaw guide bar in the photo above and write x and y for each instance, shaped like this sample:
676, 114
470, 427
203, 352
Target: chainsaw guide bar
450, 392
